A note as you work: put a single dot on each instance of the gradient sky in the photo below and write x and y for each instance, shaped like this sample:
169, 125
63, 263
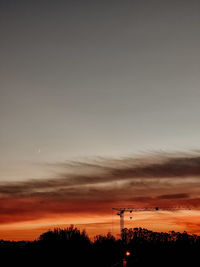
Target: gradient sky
81, 80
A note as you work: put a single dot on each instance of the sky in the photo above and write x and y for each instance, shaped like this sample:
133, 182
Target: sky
99, 107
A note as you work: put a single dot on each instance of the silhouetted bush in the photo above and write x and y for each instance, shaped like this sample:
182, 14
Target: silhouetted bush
62, 237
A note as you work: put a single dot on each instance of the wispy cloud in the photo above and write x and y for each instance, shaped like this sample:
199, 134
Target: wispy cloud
97, 185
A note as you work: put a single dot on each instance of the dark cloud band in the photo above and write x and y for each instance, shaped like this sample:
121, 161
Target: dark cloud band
158, 179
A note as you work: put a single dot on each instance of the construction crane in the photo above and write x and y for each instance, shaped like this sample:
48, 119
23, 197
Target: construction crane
121, 212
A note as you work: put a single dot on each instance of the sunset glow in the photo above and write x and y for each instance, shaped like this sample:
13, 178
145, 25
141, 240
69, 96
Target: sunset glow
99, 109
84, 194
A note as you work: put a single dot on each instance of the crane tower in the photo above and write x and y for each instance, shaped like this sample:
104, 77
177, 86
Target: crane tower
121, 212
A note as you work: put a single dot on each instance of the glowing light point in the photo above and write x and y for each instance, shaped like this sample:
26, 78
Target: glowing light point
128, 253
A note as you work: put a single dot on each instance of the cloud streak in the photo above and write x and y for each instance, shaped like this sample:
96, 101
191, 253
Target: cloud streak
96, 186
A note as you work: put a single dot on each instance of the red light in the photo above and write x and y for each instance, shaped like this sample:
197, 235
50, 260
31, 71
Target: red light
128, 253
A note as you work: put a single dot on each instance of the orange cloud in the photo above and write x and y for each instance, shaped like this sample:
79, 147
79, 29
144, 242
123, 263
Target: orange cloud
93, 188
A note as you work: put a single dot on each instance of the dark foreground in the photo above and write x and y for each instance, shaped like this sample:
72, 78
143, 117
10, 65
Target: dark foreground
71, 247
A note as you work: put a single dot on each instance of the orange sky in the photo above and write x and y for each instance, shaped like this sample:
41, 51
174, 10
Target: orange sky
84, 193
184, 220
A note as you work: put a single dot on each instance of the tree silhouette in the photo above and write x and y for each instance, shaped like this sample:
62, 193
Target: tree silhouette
73, 248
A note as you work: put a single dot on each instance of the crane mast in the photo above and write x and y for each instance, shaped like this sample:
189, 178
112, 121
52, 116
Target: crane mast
121, 212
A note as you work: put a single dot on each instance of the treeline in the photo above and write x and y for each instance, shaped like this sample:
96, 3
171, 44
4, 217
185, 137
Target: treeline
72, 247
